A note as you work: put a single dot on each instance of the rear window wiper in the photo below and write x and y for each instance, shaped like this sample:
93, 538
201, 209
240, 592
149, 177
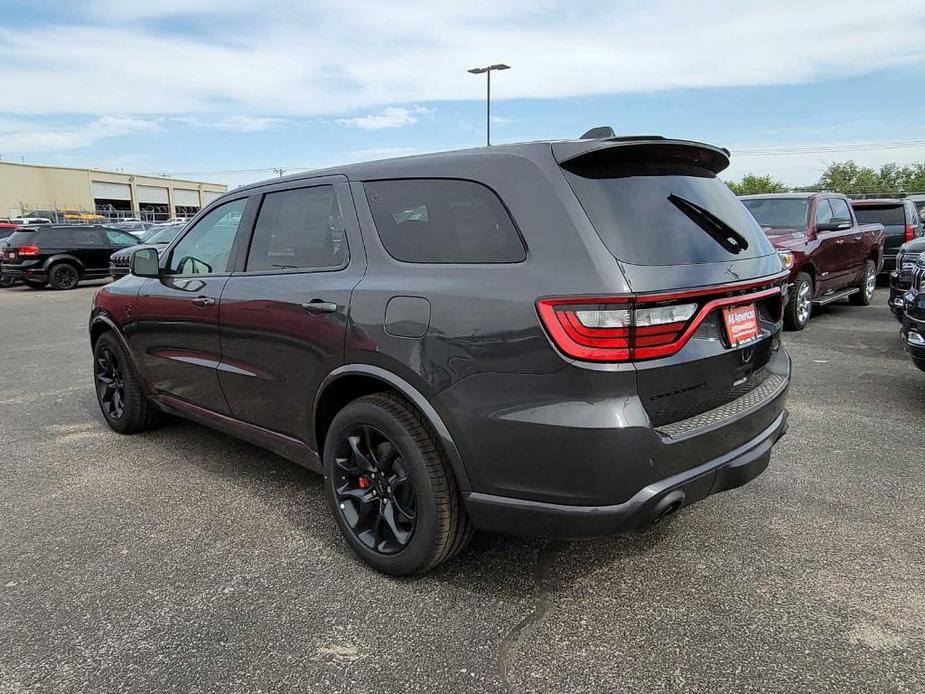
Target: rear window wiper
722, 233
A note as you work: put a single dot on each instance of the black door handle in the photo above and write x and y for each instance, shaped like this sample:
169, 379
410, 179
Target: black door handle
204, 301
317, 306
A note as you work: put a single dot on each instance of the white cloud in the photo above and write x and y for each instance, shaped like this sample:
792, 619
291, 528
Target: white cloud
241, 124
291, 61
22, 137
391, 117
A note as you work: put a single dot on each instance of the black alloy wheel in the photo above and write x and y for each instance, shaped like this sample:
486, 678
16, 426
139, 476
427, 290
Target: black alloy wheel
110, 383
374, 491
63, 276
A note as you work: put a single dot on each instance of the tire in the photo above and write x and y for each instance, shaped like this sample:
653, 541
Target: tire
63, 276
6, 282
800, 303
867, 285
113, 375
35, 284
408, 481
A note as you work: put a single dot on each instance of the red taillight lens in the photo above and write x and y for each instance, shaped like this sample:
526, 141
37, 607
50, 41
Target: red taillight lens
910, 233
28, 250
614, 329
608, 329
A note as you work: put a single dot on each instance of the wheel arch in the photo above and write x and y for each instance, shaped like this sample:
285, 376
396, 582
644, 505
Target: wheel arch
351, 381
100, 324
64, 257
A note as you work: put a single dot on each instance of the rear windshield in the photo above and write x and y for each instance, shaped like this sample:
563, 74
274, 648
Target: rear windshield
779, 213
883, 214
651, 213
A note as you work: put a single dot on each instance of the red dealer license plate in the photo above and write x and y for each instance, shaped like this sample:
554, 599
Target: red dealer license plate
741, 324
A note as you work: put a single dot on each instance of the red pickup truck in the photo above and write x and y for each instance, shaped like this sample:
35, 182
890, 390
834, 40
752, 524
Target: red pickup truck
830, 255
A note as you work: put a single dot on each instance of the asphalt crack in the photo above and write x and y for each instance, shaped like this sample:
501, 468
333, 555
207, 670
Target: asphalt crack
523, 630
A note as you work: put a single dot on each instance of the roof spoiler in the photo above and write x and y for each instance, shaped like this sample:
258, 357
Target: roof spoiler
640, 148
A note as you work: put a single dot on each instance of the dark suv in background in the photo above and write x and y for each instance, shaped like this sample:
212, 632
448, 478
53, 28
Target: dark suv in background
900, 220
61, 255
568, 339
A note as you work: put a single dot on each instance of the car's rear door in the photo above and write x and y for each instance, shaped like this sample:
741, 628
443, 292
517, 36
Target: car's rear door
174, 331
284, 309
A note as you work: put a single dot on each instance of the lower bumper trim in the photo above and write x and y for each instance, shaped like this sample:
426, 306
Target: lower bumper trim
541, 519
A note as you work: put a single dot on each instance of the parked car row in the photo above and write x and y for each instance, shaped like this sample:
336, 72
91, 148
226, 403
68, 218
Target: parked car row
829, 254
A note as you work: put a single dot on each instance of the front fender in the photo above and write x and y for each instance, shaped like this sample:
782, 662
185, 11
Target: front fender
101, 322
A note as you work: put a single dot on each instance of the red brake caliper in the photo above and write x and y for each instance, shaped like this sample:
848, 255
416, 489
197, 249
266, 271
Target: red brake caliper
364, 483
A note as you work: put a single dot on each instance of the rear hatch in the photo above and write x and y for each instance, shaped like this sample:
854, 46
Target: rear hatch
893, 218
24, 238
690, 252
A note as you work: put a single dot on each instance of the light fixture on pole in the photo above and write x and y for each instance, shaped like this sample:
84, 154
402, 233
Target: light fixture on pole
487, 70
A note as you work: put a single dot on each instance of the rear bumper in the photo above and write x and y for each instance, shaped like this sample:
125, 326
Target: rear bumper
534, 518
16, 273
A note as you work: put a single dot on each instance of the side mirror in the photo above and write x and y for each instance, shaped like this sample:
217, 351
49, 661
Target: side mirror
145, 263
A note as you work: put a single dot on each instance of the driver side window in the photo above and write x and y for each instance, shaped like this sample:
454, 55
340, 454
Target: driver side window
207, 247
823, 212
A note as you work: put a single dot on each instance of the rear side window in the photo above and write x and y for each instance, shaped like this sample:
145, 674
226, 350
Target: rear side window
887, 215
443, 221
299, 229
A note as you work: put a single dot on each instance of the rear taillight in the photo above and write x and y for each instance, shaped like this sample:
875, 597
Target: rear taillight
28, 250
629, 328
910, 233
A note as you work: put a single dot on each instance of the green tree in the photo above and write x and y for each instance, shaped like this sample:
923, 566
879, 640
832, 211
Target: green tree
752, 184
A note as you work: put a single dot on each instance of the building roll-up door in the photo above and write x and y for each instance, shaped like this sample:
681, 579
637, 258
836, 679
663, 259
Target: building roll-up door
183, 197
154, 195
208, 196
102, 190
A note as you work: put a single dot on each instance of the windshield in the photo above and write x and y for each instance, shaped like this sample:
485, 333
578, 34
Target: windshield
652, 213
164, 235
783, 213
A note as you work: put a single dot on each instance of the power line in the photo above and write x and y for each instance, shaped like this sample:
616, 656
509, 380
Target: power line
819, 149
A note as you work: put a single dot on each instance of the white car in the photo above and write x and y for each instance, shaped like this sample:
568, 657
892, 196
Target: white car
30, 221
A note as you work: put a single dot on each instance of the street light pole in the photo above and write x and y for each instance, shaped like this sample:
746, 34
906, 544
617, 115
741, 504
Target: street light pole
487, 70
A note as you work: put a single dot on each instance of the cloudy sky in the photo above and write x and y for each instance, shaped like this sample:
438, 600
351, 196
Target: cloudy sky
227, 90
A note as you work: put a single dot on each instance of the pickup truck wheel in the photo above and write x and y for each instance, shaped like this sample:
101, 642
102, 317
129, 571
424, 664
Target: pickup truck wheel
390, 487
867, 286
800, 303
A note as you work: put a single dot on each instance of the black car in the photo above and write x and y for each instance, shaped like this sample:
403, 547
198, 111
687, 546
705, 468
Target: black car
119, 261
570, 338
901, 277
913, 318
900, 220
61, 255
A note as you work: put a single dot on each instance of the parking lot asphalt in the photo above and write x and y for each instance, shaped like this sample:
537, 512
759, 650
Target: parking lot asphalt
184, 560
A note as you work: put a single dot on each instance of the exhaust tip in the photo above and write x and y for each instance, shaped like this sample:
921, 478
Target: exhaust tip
667, 505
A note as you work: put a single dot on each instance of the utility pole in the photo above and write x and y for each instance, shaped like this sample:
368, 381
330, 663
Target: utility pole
487, 70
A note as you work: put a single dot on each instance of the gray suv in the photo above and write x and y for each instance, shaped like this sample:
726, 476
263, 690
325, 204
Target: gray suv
570, 339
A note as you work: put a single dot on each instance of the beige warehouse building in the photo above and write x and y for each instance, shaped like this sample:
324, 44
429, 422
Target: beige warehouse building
26, 188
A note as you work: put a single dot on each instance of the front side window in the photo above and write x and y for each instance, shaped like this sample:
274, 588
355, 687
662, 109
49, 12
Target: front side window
840, 210
443, 221
823, 212
207, 246
301, 229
